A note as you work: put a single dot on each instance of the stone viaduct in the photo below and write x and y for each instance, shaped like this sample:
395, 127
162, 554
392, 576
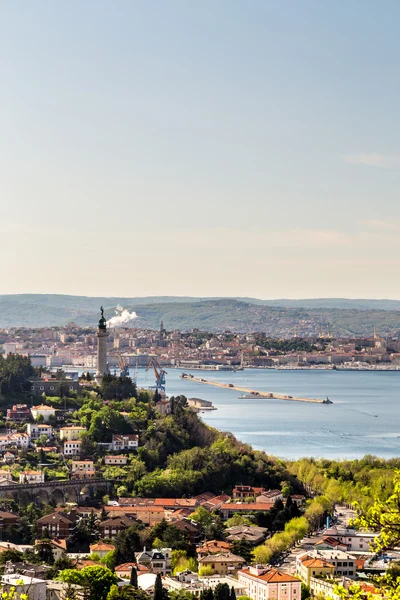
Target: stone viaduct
74, 490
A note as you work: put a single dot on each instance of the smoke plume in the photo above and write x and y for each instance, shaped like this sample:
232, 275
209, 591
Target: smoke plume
122, 315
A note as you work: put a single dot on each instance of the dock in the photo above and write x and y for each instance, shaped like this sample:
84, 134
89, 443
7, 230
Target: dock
254, 393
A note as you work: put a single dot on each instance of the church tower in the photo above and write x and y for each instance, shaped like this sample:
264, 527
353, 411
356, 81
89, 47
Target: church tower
102, 335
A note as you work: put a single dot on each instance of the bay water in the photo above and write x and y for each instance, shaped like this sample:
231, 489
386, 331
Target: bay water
363, 419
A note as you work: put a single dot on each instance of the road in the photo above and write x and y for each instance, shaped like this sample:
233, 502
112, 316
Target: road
288, 564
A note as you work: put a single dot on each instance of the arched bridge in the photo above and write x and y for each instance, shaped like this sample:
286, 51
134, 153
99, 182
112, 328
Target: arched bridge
72, 490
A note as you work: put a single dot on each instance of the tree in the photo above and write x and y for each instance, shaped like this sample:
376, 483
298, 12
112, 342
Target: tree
207, 594
305, 592
96, 580
158, 588
45, 552
205, 571
222, 592
126, 543
384, 517
134, 578
232, 594
243, 549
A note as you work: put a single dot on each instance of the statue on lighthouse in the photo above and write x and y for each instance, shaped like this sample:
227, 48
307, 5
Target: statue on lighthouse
102, 335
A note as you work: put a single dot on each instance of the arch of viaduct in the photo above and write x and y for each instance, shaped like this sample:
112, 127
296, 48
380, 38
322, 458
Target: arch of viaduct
59, 492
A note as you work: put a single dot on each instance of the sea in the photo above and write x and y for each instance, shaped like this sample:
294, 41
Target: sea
364, 417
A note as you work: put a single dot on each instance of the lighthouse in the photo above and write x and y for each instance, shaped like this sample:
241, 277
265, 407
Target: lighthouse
102, 335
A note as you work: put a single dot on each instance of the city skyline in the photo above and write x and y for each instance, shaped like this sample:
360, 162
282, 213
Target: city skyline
200, 150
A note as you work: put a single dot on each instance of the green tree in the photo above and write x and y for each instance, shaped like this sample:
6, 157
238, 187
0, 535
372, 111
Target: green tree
134, 578
207, 594
222, 592
232, 594
158, 588
126, 543
45, 552
96, 580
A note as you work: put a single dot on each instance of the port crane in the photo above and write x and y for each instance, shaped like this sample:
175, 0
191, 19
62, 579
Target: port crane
123, 365
159, 374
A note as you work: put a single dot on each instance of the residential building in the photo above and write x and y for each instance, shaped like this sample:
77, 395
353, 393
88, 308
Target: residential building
59, 525
268, 583
345, 564
101, 548
54, 387
247, 533
245, 492
82, 469
356, 541
115, 460
20, 440
33, 588
190, 582
35, 430
192, 529
31, 477
212, 547
309, 566
110, 528
228, 509
124, 442
223, 563
149, 515
72, 432
58, 547
43, 411
9, 459
124, 570
157, 561
270, 496
72, 448
20, 413
7, 518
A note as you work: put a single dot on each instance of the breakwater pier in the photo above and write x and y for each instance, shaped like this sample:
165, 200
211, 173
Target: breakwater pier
254, 393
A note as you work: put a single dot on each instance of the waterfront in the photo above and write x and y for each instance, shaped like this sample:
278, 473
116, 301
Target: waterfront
363, 419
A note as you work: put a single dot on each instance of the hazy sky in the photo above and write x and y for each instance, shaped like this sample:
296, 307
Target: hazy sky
221, 147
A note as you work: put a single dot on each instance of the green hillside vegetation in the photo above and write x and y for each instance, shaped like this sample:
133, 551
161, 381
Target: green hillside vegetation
211, 314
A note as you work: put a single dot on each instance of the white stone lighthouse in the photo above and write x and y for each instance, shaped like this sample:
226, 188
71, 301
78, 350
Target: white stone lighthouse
102, 335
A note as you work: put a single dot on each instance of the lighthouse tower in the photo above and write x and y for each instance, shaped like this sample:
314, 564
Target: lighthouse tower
102, 335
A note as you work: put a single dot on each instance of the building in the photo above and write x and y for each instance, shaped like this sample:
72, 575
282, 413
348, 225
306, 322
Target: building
35, 430
245, 492
101, 548
54, 387
110, 528
356, 541
72, 448
264, 583
310, 566
72, 432
128, 441
34, 589
82, 469
345, 564
224, 563
59, 525
58, 547
102, 336
149, 515
212, 547
43, 411
247, 533
124, 570
31, 477
20, 413
117, 460
192, 583
229, 509
157, 561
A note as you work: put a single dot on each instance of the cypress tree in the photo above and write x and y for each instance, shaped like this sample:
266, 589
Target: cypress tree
158, 588
233, 594
134, 578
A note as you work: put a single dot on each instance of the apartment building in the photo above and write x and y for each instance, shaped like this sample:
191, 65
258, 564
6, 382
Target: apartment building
263, 583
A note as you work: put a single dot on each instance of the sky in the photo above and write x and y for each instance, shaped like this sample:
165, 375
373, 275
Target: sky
174, 147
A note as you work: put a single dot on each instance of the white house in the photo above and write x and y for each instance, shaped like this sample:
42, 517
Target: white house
356, 541
262, 583
31, 477
21, 440
34, 430
72, 448
71, 433
115, 460
35, 589
42, 410
128, 441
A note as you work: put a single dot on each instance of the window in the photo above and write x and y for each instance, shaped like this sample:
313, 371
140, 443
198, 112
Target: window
339, 564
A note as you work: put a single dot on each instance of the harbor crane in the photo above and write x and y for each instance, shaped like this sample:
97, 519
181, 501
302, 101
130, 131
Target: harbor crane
123, 365
159, 374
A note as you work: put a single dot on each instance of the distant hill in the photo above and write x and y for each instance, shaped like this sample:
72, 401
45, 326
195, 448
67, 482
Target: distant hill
280, 318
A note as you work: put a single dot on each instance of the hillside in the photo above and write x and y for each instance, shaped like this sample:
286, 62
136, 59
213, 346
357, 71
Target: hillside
356, 318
